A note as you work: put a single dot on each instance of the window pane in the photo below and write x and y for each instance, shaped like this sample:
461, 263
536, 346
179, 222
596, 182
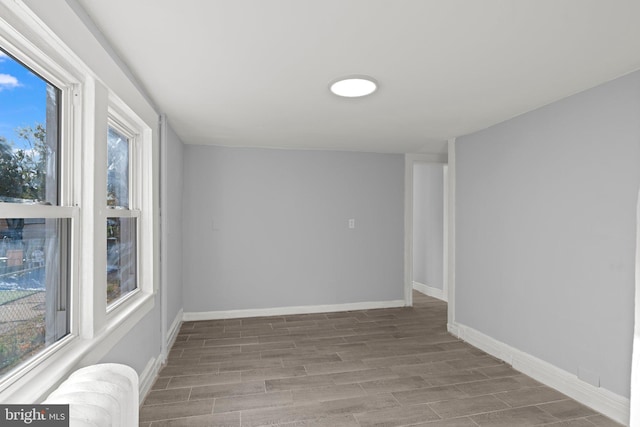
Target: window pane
117, 169
33, 287
29, 140
121, 257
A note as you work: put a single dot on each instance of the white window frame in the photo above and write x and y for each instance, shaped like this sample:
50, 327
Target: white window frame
124, 120
67, 181
128, 128
85, 107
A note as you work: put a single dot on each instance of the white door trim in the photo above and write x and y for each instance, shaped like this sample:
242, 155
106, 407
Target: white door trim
451, 232
445, 237
635, 357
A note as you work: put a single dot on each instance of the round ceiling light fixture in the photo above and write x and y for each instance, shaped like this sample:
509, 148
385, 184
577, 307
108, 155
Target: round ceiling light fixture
354, 86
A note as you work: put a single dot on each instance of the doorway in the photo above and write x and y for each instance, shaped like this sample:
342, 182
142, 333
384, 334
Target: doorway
427, 231
429, 207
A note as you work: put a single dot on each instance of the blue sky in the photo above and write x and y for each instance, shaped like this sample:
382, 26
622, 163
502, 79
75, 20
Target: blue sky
23, 98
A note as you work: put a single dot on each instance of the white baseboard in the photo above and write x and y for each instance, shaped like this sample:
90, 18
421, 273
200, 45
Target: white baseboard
608, 403
281, 311
151, 371
172, 333
429, 290
148, 377
452, 328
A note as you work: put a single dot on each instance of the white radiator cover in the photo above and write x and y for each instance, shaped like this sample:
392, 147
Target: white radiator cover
104, 395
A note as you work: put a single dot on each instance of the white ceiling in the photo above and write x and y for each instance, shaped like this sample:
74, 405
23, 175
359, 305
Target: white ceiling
255, 73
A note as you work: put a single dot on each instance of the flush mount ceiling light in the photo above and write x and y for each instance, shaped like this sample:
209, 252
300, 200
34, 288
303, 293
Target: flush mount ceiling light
354, 86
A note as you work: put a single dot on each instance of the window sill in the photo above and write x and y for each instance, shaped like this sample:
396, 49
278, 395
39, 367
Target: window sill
46, 371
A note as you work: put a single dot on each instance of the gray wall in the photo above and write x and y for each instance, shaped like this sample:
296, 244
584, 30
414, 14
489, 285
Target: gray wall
268, 228
141, 344
545, 231
173, 221
428, 224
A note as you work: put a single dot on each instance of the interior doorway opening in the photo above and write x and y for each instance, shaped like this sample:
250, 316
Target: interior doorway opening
427, 231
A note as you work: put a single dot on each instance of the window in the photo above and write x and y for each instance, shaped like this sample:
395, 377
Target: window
35, 226
122, 218
117, 169
29, 140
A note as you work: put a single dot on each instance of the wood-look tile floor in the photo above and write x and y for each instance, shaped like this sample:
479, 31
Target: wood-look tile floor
388, 367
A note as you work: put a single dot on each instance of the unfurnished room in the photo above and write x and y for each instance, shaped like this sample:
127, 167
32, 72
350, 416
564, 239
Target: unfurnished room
339, 213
